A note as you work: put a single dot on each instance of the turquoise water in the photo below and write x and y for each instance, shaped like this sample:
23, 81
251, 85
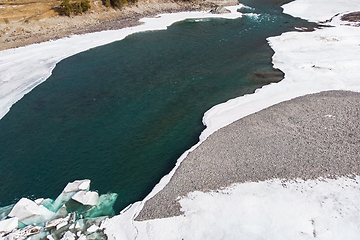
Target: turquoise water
122, 114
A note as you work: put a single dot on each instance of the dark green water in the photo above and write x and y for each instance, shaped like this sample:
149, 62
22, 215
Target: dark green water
122, 114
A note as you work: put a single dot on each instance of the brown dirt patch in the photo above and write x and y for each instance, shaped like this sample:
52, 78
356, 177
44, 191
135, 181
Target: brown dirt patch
351, 17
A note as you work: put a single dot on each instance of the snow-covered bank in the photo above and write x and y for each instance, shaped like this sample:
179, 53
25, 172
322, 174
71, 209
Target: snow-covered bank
24, 68
265, 210
320, 10
312, 62
326, 59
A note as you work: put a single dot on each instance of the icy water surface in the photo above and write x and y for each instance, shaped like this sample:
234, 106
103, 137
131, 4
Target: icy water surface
121, 114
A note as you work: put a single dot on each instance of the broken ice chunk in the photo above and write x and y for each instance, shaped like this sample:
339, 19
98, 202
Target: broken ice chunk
61, 225
68, 192
25, 208
92, 228
4, 211
78, 185
86, 198
9, 225
68, 236
104, 207
39, 236
61, 213
48, 203
49, 237
39, 201
24, 232
56, 222
29, 212
82, 237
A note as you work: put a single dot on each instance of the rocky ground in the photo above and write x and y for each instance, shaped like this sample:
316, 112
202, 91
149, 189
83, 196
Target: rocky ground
24, 22
308, 137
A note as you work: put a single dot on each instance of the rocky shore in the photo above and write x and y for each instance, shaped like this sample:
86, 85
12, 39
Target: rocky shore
308, 137
24, 32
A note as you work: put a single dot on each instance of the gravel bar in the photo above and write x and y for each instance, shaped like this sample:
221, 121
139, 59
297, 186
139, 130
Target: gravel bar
312, 136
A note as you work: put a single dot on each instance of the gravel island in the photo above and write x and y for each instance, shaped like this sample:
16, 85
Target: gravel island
312, 136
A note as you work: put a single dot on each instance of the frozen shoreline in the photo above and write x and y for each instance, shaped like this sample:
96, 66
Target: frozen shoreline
324, 69
17, 65
326, 59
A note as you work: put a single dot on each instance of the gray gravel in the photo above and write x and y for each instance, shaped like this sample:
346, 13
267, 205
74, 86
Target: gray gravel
313, 136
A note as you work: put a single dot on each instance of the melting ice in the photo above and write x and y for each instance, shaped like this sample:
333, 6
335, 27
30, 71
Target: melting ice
77, 213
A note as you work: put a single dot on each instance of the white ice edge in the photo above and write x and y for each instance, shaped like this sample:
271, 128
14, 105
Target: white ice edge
310, 60
22, 69
326, 59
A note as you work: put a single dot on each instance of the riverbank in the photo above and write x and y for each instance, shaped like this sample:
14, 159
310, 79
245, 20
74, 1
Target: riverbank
305, 72
312, 64
25, 31
305, 138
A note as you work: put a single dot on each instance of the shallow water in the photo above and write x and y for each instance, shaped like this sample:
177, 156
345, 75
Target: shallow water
121, 114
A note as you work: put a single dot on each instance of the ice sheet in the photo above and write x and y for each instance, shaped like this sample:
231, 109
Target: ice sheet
321, 209
320, 10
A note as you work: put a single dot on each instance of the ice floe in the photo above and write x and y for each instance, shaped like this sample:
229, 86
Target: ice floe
326, 59
80, 215
86, 198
